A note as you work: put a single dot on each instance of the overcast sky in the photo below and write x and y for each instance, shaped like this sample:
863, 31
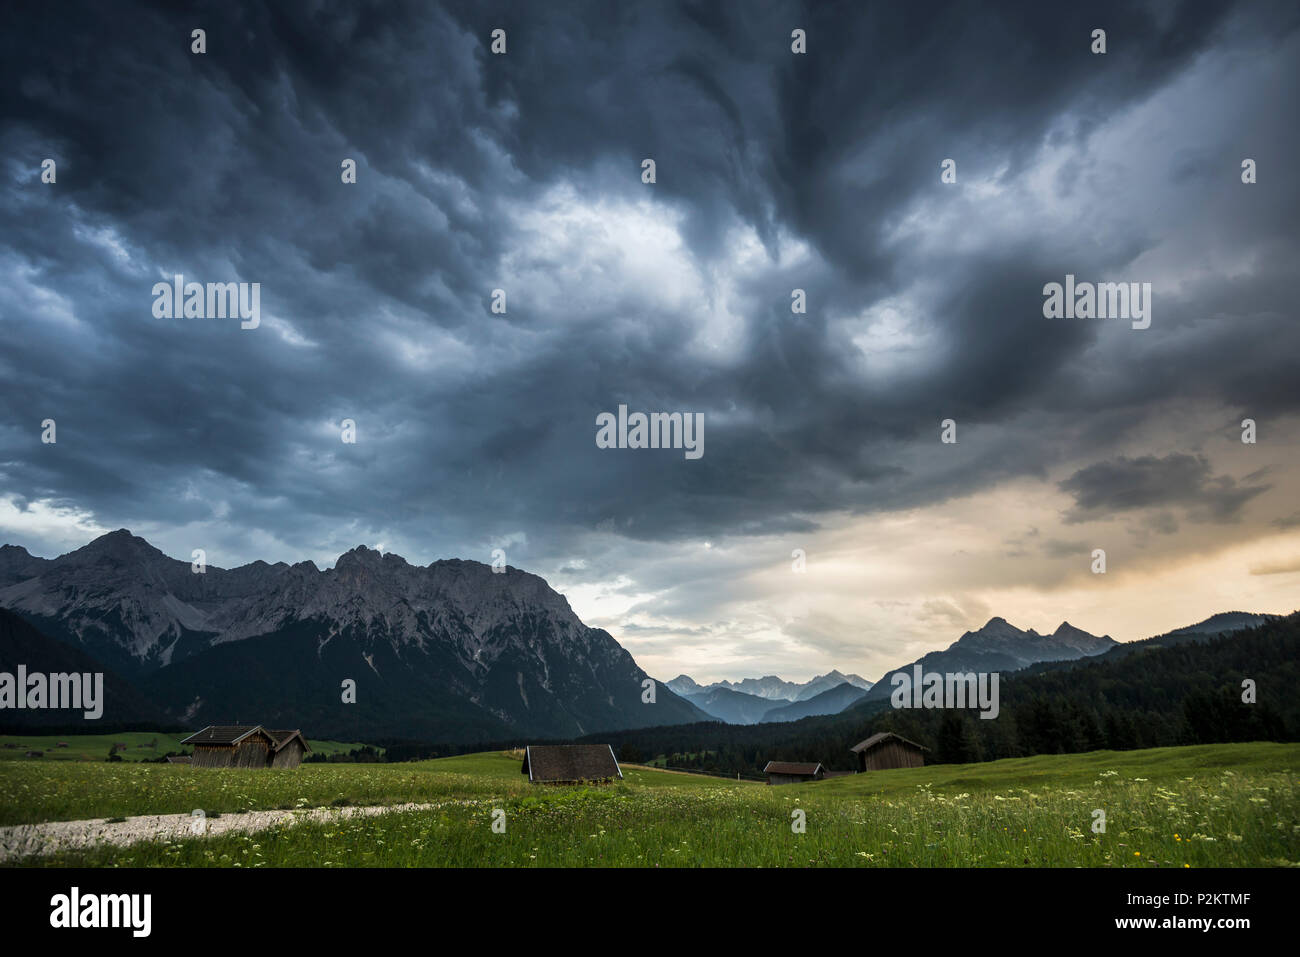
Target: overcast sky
774, 171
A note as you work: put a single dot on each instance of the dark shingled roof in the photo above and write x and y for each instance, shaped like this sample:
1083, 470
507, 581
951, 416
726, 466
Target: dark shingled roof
790, 767
234, 733
881, 738
570, 762
222, 734
281, 738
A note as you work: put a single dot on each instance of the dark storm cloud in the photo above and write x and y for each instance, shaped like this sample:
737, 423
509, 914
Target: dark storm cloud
1150, 481
472, 426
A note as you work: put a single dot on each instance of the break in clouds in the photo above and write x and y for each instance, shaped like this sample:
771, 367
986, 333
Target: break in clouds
521, 174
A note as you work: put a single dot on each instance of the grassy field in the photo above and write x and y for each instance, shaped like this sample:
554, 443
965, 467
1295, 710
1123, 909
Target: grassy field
1205, 806
140, 746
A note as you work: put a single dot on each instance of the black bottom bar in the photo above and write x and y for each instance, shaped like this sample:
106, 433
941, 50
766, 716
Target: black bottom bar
915, 906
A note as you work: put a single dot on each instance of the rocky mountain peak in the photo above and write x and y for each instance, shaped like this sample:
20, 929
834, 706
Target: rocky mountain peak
120, 545
455, 640
1067, 630
998, 627
684, 684
361, 556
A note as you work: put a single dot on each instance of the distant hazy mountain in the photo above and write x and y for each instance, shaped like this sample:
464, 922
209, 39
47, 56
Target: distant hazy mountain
685, 685
733, 707
446, 652
1000, 646
826, 682
1224, 622
771, 688
831, 701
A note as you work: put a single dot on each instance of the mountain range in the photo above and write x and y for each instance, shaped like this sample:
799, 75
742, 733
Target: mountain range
771, 688
831, 701
1182, 687
754, 700
1002, 647
996, 647
451, 651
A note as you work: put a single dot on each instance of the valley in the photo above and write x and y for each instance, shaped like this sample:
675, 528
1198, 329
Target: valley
1208, 806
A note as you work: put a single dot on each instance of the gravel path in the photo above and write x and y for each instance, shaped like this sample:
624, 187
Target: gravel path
22, 840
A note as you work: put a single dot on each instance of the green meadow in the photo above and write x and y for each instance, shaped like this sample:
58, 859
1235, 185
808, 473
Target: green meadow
1230, 805
140, 746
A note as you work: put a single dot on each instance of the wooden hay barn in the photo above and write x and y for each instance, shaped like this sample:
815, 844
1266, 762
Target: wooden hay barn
886, 750
792, 772
570, 763
246, 746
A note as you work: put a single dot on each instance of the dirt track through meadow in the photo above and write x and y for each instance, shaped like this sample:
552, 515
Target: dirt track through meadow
23, 840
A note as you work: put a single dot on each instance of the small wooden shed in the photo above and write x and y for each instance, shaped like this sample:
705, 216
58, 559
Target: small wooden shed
886, 750
570, 763
290, 746
246, 746
793, 772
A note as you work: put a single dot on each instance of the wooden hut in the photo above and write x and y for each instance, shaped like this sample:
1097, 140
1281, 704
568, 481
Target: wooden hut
792, 772
290, 746
246, 746
886, 750
570, 763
